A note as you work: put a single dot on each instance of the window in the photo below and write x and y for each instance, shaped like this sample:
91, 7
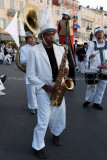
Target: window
56, 23
21, 6
83, 24
11, 4
48, 2
70, 13
63, 1
2, 24
57, 12
88, 25
41, 1
70, 3
91, 25
88, 36
5, 23
1, 3
83, 36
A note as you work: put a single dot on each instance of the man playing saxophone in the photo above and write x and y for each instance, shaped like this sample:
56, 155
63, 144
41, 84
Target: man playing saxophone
42, 69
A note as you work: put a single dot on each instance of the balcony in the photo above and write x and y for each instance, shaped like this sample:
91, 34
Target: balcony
88, 28
77, 34
11, 12
105, 26
71, 5
75, 18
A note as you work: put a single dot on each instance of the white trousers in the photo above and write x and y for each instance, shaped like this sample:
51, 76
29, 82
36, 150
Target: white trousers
76, 58
47, 114
31, 96
83, 66
96, 95
1, 86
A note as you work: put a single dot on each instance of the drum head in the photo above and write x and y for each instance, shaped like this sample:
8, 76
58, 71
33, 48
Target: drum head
104, 71
90, 71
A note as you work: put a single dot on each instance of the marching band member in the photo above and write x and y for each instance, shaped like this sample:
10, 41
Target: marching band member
31, 96
83, 64
42, 68
96, 60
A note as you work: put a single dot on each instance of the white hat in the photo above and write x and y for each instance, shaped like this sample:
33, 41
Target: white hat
98, 29
28, 34
65, 11
46, 28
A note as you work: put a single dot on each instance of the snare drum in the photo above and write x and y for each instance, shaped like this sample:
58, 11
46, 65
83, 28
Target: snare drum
91, 76
103, 74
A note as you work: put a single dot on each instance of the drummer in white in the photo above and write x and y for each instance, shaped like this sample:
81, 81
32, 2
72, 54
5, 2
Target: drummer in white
100, 45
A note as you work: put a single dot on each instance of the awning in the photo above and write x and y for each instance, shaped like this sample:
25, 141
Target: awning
76, 26
8, 37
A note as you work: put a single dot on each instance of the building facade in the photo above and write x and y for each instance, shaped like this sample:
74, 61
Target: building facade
105, 22
8, 9
86, 20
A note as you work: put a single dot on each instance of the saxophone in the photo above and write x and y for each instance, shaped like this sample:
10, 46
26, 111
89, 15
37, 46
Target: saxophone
60, 88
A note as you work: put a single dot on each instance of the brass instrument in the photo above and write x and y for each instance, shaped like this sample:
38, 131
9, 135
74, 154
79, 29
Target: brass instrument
57, 96
30, 17
22, 67
31, 24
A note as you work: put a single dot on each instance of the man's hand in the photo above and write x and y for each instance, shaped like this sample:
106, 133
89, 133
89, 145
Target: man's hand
91, 56
65, 71
48, 89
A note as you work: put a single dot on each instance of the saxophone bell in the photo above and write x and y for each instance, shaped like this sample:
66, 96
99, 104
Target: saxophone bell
68, 82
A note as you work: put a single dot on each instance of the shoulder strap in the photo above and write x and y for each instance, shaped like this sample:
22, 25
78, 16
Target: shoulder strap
101, 48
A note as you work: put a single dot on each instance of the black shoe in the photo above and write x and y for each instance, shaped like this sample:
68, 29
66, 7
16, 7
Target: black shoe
3, 78
85, 104
41, 153
97, 106
56, 140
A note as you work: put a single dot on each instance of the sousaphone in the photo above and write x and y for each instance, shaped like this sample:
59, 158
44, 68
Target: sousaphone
31, 21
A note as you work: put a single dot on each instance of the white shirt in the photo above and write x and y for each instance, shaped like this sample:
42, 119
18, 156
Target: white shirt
24, 53
8, 56
96, 61
23, 56
1, 55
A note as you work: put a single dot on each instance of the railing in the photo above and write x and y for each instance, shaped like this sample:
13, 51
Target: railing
77, 34
75, 18
88, 28
11, 12
105, 26
72, 5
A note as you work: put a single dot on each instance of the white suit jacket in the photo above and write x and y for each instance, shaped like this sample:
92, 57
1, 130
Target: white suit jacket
96, 61
23, 56
38, 68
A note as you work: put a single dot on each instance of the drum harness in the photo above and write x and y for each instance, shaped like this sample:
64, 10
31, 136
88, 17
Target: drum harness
100, 50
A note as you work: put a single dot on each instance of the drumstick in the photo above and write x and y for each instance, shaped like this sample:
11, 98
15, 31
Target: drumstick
95, 55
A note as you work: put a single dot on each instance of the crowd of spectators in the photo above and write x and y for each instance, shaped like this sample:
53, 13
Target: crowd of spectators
7, 53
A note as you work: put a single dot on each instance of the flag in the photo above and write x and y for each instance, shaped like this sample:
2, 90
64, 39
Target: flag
12, 29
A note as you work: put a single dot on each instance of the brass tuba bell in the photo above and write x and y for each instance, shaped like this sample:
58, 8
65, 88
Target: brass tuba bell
30, 17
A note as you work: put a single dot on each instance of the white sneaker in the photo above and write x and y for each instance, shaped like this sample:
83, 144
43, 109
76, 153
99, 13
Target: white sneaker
33, 111
2, 93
